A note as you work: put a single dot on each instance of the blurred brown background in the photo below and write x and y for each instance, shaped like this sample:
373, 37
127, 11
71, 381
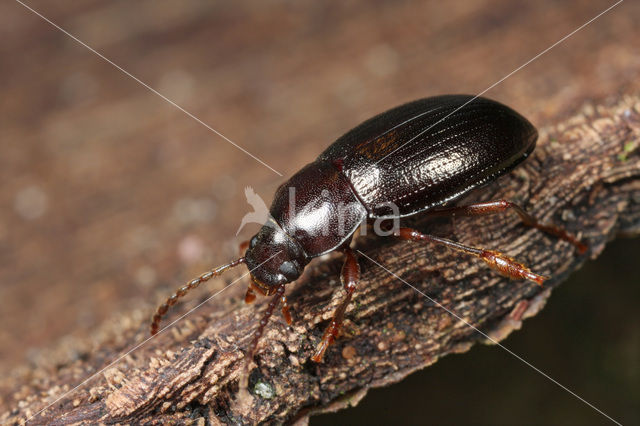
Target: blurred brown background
111, 196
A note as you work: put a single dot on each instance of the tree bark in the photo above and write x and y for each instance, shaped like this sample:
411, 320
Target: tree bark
584, 176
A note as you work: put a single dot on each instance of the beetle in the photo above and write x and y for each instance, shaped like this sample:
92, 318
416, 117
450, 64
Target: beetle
415, 158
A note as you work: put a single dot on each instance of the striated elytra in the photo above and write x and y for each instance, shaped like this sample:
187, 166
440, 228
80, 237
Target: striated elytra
389, 158
413, 158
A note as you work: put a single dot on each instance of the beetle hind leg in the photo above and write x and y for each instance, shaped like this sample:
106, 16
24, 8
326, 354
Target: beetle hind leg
350, 276
496, 260
493, 207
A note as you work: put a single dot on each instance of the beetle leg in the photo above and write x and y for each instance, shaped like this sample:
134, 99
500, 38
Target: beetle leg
285, 310
502, 263
349, 276
243, 246
250, 296
493, 207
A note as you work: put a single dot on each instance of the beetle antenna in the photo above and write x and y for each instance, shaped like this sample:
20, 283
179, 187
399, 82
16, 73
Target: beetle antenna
194, 283
273, 304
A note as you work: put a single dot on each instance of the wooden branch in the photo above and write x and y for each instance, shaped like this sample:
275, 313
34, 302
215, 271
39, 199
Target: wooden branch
585, 176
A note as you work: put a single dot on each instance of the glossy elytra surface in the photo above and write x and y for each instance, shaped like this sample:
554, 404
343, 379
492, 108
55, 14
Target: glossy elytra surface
415, 156
424, 153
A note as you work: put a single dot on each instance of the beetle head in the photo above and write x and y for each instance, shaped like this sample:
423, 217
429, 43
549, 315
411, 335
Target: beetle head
274, 259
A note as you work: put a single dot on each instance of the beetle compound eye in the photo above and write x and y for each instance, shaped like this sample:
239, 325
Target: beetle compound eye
289, 270
253, 242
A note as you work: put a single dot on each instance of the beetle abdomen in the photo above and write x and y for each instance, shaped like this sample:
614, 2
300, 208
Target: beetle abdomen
414, 157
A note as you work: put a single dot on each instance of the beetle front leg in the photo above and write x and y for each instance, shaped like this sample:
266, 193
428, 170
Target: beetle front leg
243, 246
493, 207
286, 313
496, 260
350, 276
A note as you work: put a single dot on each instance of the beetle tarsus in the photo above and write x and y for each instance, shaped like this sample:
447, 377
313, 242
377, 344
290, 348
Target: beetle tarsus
494, 259
327, 339
509, 267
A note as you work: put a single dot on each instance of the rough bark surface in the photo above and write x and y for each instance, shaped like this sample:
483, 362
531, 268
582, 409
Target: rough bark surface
106, 190
584, 175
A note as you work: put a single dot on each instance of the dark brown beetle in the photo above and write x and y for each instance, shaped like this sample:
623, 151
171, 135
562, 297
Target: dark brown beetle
410, 159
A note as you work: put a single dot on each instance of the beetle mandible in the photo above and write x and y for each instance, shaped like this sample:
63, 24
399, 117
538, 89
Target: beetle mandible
416, 157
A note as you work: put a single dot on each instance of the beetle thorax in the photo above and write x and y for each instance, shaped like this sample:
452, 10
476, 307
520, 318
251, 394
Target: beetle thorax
318, 209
